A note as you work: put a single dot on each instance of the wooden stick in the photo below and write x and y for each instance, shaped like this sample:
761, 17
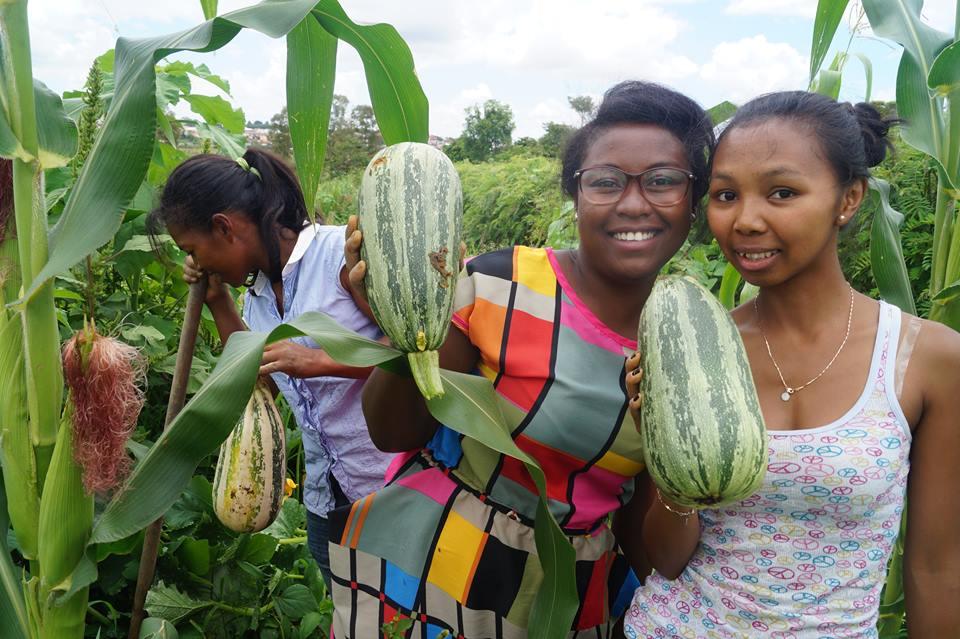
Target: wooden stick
178, 393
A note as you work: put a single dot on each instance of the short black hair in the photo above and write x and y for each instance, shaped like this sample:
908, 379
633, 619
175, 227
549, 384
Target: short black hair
638, 102
206, 184
853, 137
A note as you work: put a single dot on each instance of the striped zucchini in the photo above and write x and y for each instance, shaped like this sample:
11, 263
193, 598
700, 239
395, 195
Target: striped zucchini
248, 486
410, 207
704, 439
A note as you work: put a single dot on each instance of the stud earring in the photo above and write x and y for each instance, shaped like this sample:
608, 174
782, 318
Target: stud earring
693, 217
842, 219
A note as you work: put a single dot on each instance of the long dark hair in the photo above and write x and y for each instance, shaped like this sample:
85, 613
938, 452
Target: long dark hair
636, 102
853, 137
260, 185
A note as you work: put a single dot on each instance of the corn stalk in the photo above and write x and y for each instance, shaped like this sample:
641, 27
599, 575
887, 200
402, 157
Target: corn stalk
45, 502
928, 99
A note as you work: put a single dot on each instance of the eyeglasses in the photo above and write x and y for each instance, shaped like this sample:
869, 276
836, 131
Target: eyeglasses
661, 186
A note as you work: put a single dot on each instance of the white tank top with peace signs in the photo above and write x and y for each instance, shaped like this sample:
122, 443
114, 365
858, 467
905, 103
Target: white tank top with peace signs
806, 556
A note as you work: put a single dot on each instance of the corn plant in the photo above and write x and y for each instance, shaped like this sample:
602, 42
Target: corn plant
46, 504
928, 100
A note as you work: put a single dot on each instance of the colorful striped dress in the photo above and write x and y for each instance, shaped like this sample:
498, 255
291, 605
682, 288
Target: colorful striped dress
449, 542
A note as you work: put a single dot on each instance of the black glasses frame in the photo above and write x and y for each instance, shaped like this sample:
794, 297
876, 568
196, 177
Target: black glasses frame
630, 176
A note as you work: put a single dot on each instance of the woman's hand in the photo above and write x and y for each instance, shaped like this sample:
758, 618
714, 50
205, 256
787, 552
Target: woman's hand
297, 360
631, 377
356, 267
216, 289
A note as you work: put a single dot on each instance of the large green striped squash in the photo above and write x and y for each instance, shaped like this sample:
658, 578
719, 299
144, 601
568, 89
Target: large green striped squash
248, 485
410, 209
704, 440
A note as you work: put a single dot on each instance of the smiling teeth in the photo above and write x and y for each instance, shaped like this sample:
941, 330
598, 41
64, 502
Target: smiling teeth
758, 256
634, 237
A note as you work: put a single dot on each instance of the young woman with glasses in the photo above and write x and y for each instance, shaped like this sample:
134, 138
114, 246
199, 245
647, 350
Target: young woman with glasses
449, 542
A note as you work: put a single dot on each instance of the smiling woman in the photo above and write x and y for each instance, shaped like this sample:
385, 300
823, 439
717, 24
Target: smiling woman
449, 542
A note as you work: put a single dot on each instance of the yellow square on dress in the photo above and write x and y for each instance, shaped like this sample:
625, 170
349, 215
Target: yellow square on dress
455, 556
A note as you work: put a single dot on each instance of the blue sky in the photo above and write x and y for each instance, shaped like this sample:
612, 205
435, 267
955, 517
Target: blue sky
530, 54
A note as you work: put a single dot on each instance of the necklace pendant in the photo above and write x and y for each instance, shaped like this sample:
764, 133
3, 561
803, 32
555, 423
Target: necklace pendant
785, 395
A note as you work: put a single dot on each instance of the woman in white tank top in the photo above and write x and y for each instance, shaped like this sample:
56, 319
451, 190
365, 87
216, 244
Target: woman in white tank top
860, 403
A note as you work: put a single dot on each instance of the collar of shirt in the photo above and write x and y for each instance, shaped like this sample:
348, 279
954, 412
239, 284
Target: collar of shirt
299, 249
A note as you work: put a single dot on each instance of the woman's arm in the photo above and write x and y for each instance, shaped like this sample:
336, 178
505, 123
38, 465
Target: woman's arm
668, 533
218, 300
396, 413
931, 575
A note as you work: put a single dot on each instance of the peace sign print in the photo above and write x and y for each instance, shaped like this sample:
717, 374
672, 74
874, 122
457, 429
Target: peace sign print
781, 572
783, 468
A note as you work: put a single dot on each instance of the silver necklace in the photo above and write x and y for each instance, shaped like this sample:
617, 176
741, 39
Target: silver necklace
788, 391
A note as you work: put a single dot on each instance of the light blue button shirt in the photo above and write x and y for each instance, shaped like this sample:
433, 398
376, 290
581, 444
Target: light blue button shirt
335, 438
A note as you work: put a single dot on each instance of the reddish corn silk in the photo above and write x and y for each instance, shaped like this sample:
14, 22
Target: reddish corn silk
105, 378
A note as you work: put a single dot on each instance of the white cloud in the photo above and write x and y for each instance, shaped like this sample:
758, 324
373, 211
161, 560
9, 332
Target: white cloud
751, 66
801, 8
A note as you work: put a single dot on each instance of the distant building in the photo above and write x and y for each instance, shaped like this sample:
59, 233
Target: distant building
438, 141
258, 137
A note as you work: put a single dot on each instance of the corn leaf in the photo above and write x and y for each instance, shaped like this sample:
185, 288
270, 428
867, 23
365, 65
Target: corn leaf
948, 293
899, 20
209, 8
58, 133
829, 14
728, 287
118, 161
868, 75
469, 406
16, 451
395, 93
311, 67
13, 613
201, 71
886, 254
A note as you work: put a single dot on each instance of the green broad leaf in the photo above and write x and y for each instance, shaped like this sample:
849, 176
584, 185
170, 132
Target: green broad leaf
209, 9
311, 69
296, 601
829, 14
119, 159
201, 71
470, 407
194, 555
258, 549
57, 132
141, 334
292, 516
395, 93
166, 602
232, 145
308, 623
170, 88
156, 628
215, 110
728, 287
900, 21
721, 112
886, 253
948, 293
